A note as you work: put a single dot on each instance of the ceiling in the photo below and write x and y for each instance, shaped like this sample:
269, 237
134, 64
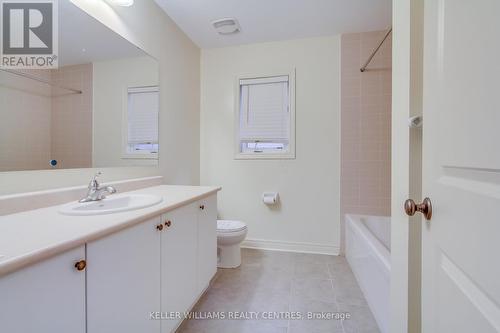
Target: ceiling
273, 20
83, 39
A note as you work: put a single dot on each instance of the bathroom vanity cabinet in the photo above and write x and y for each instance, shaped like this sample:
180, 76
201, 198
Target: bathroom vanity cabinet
123, 280
178, 291
46, 297
128, 281
207, 239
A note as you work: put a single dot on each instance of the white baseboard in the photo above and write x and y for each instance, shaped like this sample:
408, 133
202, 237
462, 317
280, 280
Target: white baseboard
263, 244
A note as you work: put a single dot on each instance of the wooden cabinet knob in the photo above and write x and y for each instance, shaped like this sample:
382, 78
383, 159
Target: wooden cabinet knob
159, 227
202, 207
80, 265
168, 223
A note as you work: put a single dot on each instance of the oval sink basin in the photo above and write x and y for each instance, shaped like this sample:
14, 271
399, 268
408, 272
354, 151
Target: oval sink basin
113, 204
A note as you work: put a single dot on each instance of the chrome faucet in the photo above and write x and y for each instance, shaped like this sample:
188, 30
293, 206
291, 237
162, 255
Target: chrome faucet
95, 192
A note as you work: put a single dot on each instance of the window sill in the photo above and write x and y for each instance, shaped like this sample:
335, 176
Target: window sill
264, 156
139, 157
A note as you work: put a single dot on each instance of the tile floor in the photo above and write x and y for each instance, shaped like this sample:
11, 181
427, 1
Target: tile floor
270, 281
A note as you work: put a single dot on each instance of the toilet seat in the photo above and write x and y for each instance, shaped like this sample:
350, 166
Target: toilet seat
225, 226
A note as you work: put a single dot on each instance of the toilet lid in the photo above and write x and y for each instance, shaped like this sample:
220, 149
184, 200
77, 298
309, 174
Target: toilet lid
230, 226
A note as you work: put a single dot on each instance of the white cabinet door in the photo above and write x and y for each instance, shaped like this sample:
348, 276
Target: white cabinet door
207, 241
179, 261
123, 280
47, 297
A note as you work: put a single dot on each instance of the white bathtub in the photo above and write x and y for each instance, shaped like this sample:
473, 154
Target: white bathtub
368, 251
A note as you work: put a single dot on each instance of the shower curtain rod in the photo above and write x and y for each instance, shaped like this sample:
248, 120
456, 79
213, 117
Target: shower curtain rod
38, 79
362, 69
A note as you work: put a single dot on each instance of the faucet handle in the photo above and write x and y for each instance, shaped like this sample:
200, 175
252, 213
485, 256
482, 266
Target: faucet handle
93, 183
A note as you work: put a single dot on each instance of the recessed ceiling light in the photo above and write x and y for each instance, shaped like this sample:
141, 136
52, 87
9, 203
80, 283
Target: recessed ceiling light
123, 3
226, 26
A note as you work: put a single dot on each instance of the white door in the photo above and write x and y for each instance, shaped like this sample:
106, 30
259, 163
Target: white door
207, 241
461, 167
46, 297
178, 264
123, 280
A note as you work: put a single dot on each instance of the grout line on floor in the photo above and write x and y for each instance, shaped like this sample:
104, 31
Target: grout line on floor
329, 272
335, 298
289, 323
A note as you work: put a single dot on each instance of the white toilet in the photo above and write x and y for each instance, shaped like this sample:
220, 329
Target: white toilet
230, 234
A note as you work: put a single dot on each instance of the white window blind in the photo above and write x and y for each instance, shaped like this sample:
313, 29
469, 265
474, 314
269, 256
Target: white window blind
264, 110
142, 118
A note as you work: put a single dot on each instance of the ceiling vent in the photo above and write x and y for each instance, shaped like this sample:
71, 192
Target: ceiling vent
226, 26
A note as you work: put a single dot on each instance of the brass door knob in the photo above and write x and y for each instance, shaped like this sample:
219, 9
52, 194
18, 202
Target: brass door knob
168, 223
80, 265
425, 208
159, 227
202, 207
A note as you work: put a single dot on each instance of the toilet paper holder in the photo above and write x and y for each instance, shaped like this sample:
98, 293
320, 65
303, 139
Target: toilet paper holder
270, 198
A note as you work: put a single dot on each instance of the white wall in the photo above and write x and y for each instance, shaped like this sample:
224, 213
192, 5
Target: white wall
110, 83
148, 27
308, 218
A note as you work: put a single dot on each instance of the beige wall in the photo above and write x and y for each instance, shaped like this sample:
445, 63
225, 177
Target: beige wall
111, 80
25, 115
41, 122
71, 123
308, 217
366, 125
148, 27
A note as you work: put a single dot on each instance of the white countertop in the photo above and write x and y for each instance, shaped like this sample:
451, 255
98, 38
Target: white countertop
31, 236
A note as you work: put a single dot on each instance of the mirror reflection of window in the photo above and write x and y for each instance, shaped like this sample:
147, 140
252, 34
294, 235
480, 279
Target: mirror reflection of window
142, 121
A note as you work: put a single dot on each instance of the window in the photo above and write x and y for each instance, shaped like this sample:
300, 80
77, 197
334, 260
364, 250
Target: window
265, 117
141, 139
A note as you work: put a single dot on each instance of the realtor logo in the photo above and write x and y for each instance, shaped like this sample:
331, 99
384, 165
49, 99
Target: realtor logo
29, 34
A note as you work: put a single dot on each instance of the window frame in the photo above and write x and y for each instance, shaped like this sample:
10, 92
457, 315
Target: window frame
288, 154
126, 154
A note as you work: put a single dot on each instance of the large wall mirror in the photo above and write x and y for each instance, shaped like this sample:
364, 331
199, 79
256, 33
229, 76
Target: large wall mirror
98, 109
